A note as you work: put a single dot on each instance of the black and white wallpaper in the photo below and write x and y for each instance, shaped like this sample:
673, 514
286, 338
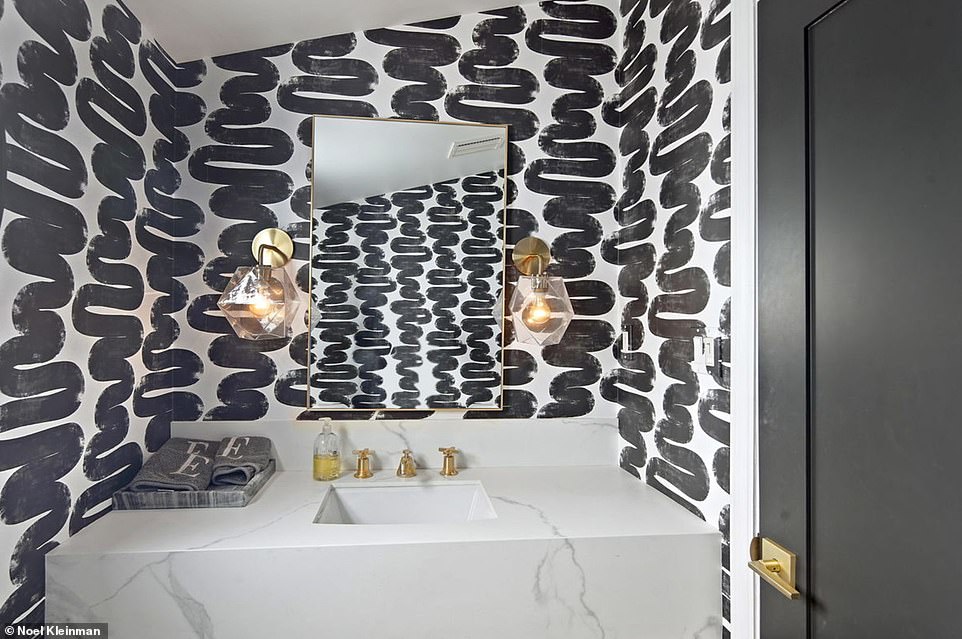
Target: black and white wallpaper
544, 70
406, 298
89, 228
673, 106
130, 188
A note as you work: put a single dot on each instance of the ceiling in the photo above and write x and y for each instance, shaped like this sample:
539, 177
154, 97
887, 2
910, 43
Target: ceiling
193, 29
355, 158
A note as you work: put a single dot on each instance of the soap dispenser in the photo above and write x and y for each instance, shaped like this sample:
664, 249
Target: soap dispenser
327, 454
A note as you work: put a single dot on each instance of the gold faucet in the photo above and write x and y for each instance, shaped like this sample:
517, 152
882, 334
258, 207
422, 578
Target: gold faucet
363, 464
448, 469
407, 467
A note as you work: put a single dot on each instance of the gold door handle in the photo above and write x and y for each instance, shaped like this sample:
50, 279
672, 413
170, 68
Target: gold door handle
775, 564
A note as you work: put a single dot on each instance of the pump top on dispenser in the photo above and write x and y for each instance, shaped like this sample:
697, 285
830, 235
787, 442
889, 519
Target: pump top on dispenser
327, 454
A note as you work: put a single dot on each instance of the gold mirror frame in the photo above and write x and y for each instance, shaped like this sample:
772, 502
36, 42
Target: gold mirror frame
504, 272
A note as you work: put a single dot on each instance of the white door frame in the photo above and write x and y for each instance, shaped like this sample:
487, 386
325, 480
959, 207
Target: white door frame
744, 414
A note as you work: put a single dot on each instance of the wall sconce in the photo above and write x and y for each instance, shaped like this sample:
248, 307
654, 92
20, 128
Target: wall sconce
260, 301
540, 307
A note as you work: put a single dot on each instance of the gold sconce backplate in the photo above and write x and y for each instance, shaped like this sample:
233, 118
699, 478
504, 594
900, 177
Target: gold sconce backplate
531, 256
281, 247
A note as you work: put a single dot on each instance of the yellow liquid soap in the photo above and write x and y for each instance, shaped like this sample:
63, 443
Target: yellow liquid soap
327, 467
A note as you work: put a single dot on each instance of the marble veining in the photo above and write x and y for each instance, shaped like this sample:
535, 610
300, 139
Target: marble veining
193, 610
243, 533
575, 552
165, 559
544, 588
710, 630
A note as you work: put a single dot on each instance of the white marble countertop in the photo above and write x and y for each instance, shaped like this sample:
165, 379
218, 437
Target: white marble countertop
531, 503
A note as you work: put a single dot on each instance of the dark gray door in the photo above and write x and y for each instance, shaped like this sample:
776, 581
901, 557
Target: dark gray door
860, 314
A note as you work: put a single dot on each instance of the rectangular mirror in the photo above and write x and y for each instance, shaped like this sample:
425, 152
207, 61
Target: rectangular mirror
407, 265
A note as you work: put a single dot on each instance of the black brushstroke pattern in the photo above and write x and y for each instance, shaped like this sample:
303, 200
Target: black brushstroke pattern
570, 36
410, 253
445, 284
113, 111
47, 227
714, 400
291, 386
244, 145
333, 374
332, 84
632, 109
714, 226
415, 58
328, 73
715, 221
394, 337
483, 197
374, 281
172, 107
716, 30
678, 471
714, 410
576, 61
520, 368
518, 365
629, 384
714, 414
683, 110
497, 88
495, 84
570, 389
715, 218
684, 107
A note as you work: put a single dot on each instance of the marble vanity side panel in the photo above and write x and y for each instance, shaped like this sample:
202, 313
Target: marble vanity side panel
585, 441
673, 107
543, 69
608, 588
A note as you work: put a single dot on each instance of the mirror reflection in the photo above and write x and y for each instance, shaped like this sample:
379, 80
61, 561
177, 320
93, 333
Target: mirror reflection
407, 265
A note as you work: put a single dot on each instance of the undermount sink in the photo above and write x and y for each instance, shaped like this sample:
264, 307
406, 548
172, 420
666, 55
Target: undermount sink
421, 504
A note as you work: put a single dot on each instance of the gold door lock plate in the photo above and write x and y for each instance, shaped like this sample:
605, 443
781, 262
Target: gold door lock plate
775, 564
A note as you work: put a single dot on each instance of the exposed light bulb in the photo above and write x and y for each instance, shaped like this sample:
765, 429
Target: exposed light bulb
261, 305
537, 312
260, 301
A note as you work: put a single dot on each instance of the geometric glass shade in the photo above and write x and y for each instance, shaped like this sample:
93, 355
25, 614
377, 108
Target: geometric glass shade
260, 302
540, 309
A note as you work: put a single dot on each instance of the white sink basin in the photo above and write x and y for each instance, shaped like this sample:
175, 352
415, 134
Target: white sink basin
448, 503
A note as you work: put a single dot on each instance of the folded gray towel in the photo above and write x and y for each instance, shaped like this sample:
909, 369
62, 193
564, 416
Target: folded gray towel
180, 464
240, 458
